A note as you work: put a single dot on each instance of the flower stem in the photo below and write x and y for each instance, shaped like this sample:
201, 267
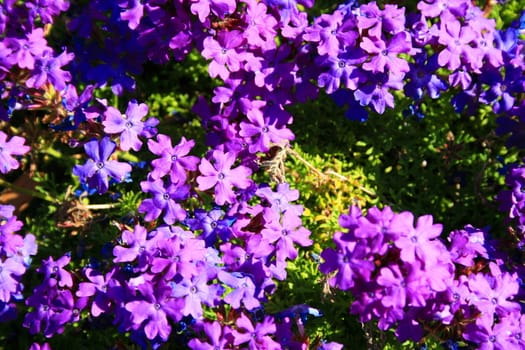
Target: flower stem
100, 206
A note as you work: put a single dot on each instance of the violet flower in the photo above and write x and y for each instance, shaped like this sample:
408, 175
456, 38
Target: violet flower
255, 337
222, 177
243, 290
219, 337
174, 161
154, 310
194, 292
261, 132
385, 57
97, 169
225, 58
129, 126
54, 271
49, 69
14, 147
165, 200
10, 271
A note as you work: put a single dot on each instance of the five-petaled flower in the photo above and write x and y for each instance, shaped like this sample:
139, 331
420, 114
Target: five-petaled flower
97, 169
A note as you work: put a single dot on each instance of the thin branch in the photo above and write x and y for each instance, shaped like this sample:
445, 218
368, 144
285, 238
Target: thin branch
324, 175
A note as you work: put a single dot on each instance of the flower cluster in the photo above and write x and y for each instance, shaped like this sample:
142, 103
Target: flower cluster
211, 239
173, 273
15, 258
404, 276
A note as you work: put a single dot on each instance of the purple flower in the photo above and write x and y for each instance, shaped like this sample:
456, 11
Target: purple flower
54, 271
376, 91
285, 232
343, 70
261, 132
36, 346
422, 78
385, 57
279, 201
46, 9
243, 290
494, 293
222, 177
416, 242
193, 291
223, 53
137, 246
212, 224
165, 200
390, 20
220, 8
178, 257
457, 39
154, 310
25, 51
490, 337
261, 29
332, 32
133, 13
350, 260
130, 125
434, 8
395, 295
10, 271
14, 147
48, 69
466, 245
174, 161
219, 337
99, 286
97, 169
257, 337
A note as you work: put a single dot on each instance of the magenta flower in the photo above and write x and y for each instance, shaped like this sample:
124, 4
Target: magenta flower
222, 177
14, 147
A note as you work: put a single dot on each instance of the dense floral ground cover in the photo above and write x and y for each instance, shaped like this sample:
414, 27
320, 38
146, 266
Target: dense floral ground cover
181, 174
